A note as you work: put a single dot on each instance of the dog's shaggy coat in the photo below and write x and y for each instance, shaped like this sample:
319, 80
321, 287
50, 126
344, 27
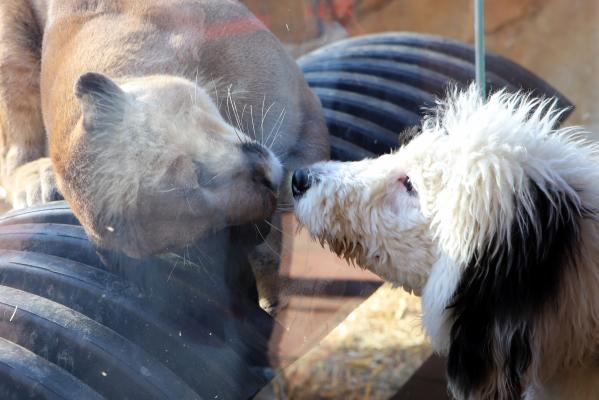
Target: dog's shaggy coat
491, 215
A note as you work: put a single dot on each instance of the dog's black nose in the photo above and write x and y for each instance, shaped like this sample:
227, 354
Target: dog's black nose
300, 182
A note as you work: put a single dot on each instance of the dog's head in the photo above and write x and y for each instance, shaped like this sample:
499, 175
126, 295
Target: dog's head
368, 212
494, 194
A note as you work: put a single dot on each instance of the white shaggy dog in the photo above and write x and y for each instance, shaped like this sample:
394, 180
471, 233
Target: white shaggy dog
491, 215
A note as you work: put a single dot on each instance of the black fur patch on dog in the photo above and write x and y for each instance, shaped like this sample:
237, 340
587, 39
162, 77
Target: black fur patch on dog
502, 292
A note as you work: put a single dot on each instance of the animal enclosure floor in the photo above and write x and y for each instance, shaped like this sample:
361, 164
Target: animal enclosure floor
428, 382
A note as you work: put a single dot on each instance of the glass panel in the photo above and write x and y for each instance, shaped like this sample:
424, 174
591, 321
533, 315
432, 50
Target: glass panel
148, 242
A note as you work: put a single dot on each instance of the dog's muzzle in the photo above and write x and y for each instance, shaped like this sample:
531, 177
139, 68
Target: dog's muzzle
301, 182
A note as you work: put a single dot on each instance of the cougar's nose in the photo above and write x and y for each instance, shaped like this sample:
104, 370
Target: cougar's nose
265, 167
300, 182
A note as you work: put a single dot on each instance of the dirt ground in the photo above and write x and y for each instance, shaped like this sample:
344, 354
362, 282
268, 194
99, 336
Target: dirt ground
370, 355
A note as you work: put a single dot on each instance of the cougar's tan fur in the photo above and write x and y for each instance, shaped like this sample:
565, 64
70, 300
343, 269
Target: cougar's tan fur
148, 116
140, 113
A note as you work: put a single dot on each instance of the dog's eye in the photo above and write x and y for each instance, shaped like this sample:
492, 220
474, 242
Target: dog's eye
408, 184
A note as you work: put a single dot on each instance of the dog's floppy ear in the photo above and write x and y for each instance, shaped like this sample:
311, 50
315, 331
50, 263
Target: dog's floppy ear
504, 289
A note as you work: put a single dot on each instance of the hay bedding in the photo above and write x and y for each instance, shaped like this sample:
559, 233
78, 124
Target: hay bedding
370, 355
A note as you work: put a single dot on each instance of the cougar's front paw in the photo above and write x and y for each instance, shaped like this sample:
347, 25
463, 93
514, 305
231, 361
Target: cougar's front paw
270, 284
33, 183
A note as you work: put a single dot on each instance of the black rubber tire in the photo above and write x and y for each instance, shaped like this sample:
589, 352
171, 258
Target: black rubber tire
385, 81
173, 320
24, 375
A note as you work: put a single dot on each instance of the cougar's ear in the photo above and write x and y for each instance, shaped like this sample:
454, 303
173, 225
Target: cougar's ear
102, 101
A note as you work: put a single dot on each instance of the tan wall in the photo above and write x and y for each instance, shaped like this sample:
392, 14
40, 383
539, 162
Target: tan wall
556, 39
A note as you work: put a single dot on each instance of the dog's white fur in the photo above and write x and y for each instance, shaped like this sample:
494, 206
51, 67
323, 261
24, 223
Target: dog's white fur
470, 165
